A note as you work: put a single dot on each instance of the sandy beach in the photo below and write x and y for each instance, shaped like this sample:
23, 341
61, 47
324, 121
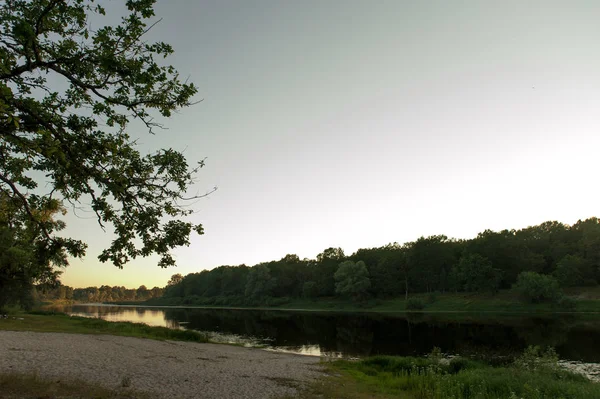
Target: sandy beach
167, 369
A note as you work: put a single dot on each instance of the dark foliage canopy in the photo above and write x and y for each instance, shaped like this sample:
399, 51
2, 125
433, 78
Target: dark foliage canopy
67, 94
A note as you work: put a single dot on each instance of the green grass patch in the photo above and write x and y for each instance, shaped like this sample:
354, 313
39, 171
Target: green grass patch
429, 378
59, 322
15, 385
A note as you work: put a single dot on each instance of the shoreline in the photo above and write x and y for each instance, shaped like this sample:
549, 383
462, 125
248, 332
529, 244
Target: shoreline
164, 368
322, 310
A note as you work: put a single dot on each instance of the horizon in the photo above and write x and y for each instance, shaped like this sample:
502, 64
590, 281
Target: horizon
174, 269
358, 125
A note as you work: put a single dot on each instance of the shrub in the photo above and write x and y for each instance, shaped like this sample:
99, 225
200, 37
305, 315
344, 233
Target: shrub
415, 304
435, 355
534, 358
535, 288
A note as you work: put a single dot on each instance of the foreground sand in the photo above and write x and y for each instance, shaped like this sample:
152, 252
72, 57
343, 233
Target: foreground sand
167, 368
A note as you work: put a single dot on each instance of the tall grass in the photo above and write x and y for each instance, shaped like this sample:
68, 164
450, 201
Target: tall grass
533, 376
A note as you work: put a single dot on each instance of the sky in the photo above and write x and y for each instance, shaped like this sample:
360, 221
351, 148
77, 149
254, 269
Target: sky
353, 124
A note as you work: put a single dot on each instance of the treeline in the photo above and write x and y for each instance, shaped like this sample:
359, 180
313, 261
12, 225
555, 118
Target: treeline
104, 293
489, 262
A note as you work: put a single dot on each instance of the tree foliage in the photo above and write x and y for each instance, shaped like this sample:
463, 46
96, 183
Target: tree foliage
103, 293
67, 95
26, 257
534, 287
490, 261
573, 270
352, 279
259, 283
475, 273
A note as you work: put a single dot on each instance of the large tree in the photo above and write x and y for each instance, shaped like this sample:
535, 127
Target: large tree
352, 279
67, 94
26, 257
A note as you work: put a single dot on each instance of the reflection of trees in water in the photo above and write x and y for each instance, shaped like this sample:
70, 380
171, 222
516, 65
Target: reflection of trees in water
355, 336
370, 334
544, 332
172, 324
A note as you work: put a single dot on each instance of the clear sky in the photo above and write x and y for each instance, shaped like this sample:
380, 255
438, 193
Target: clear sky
359, 123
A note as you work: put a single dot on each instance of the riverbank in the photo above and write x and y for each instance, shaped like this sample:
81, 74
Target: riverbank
582, 300
41, 321
99, 364
535, 375
165, 369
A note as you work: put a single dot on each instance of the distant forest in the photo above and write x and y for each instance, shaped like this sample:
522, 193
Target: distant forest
487, 263
104, 293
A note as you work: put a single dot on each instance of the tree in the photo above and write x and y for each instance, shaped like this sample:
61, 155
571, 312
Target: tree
309, 289
142, 293
475, 273
535, 288
352, 279
426, 259
326, 265
175, 279
67, 93
259, 283
26, 258
572, 270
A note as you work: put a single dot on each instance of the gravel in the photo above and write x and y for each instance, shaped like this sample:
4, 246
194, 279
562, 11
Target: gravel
169, 369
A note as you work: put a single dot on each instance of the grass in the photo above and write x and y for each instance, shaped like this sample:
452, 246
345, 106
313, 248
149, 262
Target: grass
60, 322
15, 385
385, 377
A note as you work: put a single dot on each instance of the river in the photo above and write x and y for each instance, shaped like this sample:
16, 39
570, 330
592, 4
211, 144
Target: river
334, 334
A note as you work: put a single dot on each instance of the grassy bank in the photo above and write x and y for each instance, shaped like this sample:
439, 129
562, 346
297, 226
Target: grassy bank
58, 322
534, 375
420, 378
583, 300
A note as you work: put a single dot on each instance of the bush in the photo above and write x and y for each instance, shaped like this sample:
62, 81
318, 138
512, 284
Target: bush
536, 288
415, 304
534, 358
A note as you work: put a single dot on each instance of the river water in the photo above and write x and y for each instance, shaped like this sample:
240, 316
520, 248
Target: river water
333, 334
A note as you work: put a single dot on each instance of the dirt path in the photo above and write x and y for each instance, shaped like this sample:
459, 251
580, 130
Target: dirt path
169, 369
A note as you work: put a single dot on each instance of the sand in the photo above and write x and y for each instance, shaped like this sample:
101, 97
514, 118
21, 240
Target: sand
169, 369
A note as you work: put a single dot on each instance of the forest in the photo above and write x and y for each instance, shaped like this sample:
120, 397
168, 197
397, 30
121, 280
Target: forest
103, 293
551, 253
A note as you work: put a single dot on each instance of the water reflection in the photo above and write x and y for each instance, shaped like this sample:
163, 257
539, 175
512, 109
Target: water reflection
358, 335
152, 317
